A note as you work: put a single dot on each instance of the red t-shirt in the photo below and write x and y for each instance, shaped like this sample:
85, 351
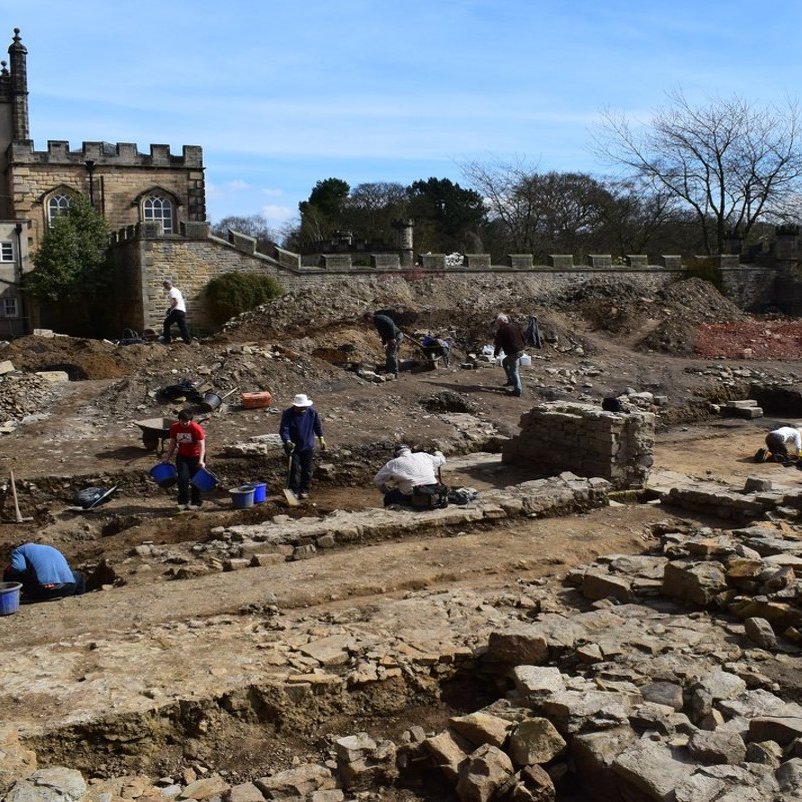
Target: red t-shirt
187, 436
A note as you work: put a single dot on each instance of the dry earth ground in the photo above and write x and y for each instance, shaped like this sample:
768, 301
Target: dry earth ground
85, 436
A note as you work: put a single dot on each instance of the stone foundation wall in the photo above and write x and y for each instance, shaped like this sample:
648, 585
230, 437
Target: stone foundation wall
586, 440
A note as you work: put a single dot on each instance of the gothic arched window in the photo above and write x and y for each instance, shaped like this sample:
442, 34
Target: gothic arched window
159, 209
57, 204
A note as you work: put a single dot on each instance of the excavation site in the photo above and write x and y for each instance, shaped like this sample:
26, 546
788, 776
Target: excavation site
602, 605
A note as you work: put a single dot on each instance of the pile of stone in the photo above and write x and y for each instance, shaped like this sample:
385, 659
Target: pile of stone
759, 499
648, 677
22, 395
746, 408
587, 440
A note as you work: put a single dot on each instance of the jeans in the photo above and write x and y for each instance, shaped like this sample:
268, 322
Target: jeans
187, 492
391, 349
301, 470
180, 319
510, 365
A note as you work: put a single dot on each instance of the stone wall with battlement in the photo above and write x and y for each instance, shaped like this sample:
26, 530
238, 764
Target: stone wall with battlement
120, 176
144, 256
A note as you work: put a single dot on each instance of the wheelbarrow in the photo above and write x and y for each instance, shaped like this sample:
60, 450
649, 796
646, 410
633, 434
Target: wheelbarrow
154, 432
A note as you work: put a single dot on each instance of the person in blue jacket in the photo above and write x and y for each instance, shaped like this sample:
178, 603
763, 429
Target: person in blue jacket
44, 573
300, 424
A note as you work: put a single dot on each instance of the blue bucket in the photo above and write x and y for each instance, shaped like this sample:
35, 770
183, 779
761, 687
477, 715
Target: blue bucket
164, 474
259, 492
242, 497
204, 480
9, 597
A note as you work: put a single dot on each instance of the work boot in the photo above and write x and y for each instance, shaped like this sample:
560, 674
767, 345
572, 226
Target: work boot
303, 495
508, 384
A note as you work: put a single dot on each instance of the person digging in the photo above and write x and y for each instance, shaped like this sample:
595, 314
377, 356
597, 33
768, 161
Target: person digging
299, 426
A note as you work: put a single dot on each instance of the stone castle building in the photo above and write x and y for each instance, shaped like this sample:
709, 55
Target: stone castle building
127, 187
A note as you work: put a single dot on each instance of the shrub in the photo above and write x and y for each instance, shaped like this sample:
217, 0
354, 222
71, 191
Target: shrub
230, 294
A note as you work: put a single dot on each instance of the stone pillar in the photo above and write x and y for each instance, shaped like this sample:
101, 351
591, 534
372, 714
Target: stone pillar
477, 261
433, 261
406, 232
19, 88
561, 261
637, 261
520, 261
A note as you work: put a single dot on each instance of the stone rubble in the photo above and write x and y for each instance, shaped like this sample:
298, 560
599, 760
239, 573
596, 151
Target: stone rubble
646, 677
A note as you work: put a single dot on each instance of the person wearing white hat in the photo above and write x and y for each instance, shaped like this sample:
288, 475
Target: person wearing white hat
300, 424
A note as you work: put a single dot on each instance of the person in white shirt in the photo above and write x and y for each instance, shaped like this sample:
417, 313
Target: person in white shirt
406, 471
778, 441
177, 313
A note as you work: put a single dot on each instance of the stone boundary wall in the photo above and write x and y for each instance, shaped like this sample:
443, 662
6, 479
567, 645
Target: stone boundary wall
586, 440
192, 257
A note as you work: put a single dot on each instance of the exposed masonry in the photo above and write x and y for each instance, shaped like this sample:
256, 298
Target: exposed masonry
586, 440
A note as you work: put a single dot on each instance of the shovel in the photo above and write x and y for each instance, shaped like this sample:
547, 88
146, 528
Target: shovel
20, 519
292, 499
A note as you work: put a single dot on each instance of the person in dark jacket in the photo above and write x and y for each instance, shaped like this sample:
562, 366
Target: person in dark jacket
299, 426
391, 337
509, 339
44, 573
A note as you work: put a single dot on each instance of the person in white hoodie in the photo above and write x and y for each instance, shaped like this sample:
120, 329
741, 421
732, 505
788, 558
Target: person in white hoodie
406, 471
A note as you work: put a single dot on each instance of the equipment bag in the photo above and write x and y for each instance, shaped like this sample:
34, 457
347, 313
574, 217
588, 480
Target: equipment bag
430, 497
91, 497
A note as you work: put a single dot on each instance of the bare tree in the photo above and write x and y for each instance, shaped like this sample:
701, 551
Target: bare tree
729, 161
254, 225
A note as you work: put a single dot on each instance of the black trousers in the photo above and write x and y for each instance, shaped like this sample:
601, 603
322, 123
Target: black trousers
301, 471
180, 319
187, 492
33, 591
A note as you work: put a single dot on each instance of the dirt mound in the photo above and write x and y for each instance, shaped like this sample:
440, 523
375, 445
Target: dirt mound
80, 359
616, 306
683, 307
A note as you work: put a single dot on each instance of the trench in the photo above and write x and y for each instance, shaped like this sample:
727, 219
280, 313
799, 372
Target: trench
256, 730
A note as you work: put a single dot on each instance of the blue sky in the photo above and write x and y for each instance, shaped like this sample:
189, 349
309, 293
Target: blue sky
283, 93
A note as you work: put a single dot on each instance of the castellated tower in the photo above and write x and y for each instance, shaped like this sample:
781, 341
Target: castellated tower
125, 186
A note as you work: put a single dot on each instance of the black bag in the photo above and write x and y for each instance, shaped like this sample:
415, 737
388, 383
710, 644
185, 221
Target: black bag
430, 497
91, 497
611, 404
184, 390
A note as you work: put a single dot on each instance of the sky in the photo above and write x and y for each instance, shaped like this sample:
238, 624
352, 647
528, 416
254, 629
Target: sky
281, 94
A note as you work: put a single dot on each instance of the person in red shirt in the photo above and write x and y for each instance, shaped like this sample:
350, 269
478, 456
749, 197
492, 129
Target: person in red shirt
188, 443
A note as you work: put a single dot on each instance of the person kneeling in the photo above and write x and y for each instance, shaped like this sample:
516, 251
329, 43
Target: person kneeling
44, 573
414, 477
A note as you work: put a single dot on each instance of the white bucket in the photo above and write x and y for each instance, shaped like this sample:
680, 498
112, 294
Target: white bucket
525, 361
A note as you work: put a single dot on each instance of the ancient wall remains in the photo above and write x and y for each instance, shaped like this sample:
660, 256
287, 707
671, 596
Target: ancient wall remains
586, 440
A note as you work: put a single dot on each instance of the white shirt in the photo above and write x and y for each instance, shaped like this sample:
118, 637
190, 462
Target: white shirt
175, 294
410, 470
790, 434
